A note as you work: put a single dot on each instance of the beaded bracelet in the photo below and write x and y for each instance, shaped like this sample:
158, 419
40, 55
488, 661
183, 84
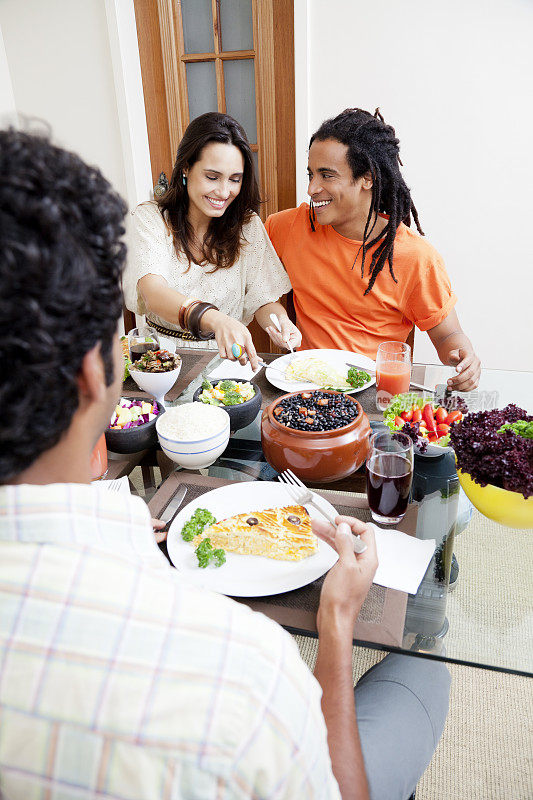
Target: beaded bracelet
194, 321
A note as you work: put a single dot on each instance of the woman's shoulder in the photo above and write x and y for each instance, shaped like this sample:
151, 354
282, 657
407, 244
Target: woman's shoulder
147, 216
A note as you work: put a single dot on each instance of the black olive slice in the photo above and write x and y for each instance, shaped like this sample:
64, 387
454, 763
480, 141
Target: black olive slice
292, 518
252, 521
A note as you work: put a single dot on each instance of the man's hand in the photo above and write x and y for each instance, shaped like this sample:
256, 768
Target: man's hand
468, 368
347, 583
290, 335
157, 524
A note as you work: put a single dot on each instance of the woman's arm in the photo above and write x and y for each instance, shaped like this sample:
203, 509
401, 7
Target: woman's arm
290, 335
454, 348
164, 301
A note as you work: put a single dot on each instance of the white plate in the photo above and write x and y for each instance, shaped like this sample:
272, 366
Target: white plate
246, 576
337, 358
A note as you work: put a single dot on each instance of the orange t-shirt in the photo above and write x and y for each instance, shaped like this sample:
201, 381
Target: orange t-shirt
331, 309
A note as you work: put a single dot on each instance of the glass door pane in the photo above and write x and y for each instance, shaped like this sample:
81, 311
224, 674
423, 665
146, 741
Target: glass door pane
239, 80
197, 26
236, 25
201, 87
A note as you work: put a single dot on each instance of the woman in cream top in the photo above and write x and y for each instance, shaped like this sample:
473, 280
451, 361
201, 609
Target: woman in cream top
203, 240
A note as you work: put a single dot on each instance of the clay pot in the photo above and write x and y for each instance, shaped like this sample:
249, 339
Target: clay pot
315, 456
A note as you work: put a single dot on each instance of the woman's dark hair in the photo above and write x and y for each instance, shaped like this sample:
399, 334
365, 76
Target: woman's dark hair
373, 147
223, 238
61, 259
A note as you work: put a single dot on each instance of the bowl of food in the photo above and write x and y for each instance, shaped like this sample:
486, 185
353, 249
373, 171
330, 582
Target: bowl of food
494, 455
427, 423
156, 372
240, 398
194, 435
132, 426
321, 435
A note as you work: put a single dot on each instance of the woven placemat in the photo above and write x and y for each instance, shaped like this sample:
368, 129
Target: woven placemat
383, 610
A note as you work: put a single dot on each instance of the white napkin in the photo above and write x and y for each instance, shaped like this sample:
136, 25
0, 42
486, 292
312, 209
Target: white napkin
403, 560
232, 369
118, 485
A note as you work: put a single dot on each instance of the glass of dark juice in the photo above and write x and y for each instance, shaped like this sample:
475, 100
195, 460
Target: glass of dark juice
140, 340
389, 473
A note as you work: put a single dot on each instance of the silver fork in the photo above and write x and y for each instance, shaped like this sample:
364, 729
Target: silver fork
302, 495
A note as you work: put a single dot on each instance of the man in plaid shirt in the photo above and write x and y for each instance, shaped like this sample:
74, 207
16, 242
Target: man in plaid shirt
116, 681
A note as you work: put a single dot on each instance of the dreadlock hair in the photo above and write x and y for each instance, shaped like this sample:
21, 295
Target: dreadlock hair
373, 147
223, 239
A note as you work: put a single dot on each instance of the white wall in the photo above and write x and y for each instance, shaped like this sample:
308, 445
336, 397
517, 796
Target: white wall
456, 81
59, 60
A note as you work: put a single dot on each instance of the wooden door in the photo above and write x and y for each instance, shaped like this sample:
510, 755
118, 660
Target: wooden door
233, 56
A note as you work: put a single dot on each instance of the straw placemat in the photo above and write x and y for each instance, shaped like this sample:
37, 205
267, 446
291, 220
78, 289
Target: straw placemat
382, 616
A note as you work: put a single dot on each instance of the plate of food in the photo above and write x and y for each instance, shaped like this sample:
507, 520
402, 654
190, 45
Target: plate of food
425, 421
249, 539
322, 369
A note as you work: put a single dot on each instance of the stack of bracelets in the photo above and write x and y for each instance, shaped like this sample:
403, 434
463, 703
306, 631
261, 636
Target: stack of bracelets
190, 315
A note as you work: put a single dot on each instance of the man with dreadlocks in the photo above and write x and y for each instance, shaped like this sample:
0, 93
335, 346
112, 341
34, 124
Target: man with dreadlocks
359, 274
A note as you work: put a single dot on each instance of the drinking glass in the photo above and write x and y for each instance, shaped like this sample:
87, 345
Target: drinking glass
389, 474
393, 371
142, 339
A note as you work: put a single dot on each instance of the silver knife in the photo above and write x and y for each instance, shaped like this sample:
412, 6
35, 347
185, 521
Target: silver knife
173, 507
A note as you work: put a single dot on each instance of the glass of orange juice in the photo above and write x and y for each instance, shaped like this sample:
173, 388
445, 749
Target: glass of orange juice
393, 371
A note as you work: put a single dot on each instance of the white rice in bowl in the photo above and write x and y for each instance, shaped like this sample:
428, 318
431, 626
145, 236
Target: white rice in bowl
192, 421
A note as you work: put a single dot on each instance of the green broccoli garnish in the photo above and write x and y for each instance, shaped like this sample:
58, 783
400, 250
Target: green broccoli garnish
206, 385
197, 523
232, 399
206, 555
357, 377
227, 386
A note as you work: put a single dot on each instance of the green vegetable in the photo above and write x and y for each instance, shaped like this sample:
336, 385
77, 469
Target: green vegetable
197, 523
205, 397
232, 398
521, 428
207, 386
403, 402
357, 377
207, 555
127, 365
227, 386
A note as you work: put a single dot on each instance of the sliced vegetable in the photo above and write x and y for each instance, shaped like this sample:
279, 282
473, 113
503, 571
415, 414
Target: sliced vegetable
428, 417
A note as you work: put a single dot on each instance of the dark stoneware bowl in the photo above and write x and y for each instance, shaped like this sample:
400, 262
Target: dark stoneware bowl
132, 440
315, 456
242, 414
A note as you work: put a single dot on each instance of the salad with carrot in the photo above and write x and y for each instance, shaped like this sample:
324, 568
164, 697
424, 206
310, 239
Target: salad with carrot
421, 419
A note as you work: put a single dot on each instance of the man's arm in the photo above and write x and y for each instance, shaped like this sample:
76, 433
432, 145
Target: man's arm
454, 348
343, 593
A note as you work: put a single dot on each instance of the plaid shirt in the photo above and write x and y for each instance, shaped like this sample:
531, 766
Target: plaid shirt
118, 680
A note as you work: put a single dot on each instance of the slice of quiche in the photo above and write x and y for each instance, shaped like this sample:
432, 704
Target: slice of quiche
281, 533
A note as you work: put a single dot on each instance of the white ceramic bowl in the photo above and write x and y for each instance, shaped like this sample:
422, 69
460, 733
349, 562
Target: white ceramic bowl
197, 450
155, 383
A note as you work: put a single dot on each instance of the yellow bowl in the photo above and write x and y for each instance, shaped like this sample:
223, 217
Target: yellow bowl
507, 508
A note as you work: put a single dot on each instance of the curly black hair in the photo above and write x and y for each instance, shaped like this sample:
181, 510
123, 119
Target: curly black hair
373, 147
61, 259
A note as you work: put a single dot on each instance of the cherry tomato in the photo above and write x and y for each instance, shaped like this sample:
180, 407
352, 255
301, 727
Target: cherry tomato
453, 416
440, 415
399, 422
443, 429
432, 437
417, 414
407, 415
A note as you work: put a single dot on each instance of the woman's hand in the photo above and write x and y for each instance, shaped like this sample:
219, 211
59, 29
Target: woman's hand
157, 525
290, 335
227, 332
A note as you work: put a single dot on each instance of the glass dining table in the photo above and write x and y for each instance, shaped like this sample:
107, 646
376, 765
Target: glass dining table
486, 621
